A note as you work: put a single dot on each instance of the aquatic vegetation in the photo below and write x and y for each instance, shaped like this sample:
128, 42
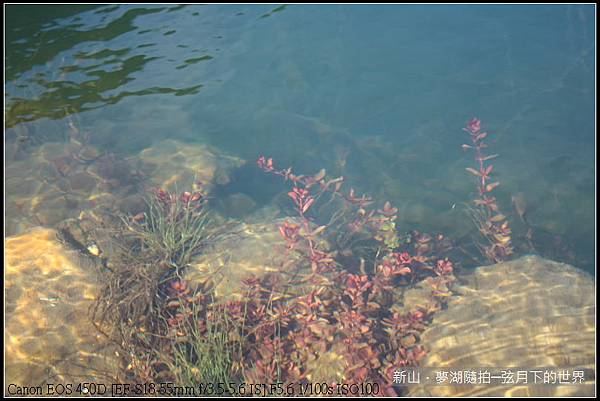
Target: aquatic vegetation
204, 340
347, 310
174, 225
151, 249
486, 215
335, 322
342, 318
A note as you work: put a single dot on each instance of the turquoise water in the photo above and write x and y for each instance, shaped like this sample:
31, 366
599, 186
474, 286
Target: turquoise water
376, 93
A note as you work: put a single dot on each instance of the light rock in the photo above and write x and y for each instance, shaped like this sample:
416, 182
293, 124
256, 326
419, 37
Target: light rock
245, 250
48, 335
527, 314
173, 164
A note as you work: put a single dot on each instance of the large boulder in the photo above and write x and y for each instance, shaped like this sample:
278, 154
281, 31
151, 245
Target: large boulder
49, 337
526, 314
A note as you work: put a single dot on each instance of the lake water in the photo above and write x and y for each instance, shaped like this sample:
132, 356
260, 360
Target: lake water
376, 94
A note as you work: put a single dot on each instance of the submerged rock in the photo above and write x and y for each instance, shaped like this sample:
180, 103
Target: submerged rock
49, 337
53, 183
328, 366
171, 164
243, 251
238, 205
57, 181
527, 314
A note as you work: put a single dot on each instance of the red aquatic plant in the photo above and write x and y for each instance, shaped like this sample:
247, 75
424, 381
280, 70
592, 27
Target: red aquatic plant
356, 289
351, 220
396, 264
490, 222
345, 302
443, 267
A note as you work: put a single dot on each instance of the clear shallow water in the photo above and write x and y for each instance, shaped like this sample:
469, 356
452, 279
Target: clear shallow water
385, 88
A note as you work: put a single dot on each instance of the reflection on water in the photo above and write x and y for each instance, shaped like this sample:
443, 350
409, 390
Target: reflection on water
82, 80
106, 101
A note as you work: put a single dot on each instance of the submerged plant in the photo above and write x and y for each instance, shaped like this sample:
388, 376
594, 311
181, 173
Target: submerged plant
334, 319
486, 215
151, 251
205, 343
174, 227
346, 311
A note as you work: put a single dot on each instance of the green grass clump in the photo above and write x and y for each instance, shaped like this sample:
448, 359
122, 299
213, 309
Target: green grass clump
208, 351
174, 228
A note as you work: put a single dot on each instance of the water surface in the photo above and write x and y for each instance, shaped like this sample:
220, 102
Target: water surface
376, 93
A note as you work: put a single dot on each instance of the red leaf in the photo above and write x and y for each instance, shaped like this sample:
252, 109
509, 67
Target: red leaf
282, 231
481, 136
490, 187
308, 204
293, 195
